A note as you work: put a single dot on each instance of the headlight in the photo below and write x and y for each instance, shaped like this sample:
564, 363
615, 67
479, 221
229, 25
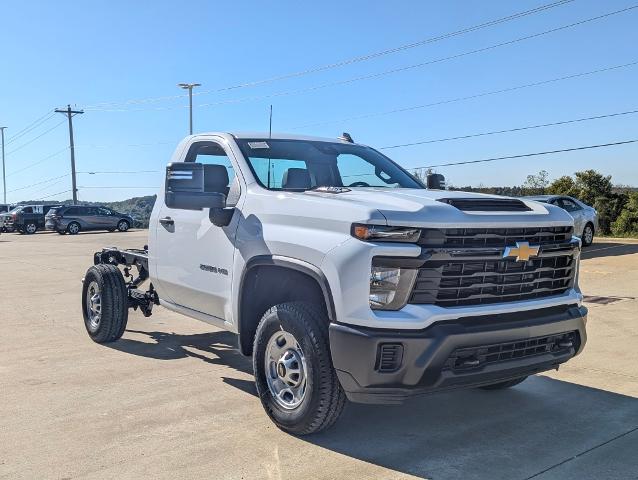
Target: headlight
381, 233
390, 287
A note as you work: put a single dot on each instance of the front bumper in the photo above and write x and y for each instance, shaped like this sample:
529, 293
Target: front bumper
388, 366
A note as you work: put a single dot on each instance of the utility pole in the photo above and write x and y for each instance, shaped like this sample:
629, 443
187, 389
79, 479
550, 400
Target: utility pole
189, 87
4, 178
69, 113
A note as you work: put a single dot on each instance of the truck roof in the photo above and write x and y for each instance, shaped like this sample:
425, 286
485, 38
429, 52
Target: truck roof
274, 136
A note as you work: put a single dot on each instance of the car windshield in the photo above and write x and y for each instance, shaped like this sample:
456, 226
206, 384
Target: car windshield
299, 165
15, 209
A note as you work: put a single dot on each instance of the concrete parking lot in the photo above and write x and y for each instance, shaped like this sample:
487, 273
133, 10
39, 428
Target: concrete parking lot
173, 399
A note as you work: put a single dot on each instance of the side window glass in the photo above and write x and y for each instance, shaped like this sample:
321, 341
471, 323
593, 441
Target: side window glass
27, 210
569, 205
215, 161
104, 211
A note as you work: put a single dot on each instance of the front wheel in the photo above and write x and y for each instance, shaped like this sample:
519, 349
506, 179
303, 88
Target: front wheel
104, 303
588, 235
73, 228
30, 228
123, 226
295, 379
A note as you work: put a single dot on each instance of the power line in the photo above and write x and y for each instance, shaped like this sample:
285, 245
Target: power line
35, 124
38, 183
352, 60
469, 97
38, 162
35, 138
550, 152
102, 186
117, 172
53, 194
496, 132
379, 74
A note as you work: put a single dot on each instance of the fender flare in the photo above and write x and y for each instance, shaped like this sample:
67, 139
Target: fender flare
294, 264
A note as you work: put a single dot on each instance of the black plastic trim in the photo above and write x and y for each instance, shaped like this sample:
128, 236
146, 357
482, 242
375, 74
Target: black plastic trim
425, 352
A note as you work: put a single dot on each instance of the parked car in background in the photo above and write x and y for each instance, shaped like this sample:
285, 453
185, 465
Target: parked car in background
5, 207
25, 218
585, 217
76, 218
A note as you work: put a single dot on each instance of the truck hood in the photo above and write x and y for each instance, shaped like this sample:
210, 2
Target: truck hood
424, 208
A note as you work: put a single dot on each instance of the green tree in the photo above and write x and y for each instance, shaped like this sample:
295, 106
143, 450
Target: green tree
627, 221
536, 184
564, 185
591, 184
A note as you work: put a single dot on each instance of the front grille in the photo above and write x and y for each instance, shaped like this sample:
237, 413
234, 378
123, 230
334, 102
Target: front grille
450, 283
470, 358
494, 237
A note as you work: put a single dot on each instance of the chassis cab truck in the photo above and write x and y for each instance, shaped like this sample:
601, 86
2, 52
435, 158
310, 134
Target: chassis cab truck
344, 277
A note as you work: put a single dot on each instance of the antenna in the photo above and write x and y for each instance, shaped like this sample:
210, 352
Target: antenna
270, 125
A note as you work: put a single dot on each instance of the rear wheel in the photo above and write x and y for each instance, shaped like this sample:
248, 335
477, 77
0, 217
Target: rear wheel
123, 226
588, 235
104, 303
30, 228
73, 228
502, 385
296, 381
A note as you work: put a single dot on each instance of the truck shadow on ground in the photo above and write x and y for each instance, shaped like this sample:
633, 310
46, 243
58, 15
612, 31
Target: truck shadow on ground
608, 249
543, 428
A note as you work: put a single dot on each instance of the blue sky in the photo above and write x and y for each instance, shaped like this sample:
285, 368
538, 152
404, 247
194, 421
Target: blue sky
62, 52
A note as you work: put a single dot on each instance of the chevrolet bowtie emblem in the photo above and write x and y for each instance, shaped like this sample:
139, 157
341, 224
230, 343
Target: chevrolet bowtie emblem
523, 251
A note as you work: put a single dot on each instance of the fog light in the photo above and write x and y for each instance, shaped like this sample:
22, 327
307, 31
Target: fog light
390, 287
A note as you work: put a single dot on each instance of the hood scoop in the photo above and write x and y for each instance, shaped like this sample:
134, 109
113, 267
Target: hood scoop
487, 204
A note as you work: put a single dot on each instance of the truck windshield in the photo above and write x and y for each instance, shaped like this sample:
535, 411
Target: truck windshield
299, 165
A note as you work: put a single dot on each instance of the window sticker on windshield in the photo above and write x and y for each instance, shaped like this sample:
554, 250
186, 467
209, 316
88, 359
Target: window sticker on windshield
255, 145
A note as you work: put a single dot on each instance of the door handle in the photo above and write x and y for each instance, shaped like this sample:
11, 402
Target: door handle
167, 221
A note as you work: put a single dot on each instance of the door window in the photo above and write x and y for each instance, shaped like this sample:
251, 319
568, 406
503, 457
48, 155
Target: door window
211, 153
569, 205
104, 211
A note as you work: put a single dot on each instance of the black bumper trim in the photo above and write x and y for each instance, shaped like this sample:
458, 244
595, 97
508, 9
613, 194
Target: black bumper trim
425, 353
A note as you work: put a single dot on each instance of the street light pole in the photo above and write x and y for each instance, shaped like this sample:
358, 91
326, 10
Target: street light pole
4, 178
189, 87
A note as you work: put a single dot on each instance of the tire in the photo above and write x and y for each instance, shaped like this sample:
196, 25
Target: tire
112, 303
30, 228
73, 228
502, 385
323, 399
588, 235
123, 225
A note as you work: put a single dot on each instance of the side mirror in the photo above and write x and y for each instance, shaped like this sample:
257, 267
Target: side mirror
435, 181
184, 188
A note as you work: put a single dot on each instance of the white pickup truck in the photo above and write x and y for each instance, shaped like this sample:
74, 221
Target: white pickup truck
344, 276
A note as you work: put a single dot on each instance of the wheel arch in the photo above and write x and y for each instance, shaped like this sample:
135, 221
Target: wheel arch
277, 273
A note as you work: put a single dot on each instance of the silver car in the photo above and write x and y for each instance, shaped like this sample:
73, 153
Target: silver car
585, 217
75, 218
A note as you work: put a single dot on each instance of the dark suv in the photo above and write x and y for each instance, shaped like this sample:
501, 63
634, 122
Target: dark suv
25, 218
75, 218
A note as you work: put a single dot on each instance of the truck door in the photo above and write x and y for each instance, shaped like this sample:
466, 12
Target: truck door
196, 257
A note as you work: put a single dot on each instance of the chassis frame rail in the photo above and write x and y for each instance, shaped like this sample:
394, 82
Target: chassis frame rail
128, 258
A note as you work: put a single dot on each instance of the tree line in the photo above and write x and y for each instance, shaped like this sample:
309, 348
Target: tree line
617, 205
